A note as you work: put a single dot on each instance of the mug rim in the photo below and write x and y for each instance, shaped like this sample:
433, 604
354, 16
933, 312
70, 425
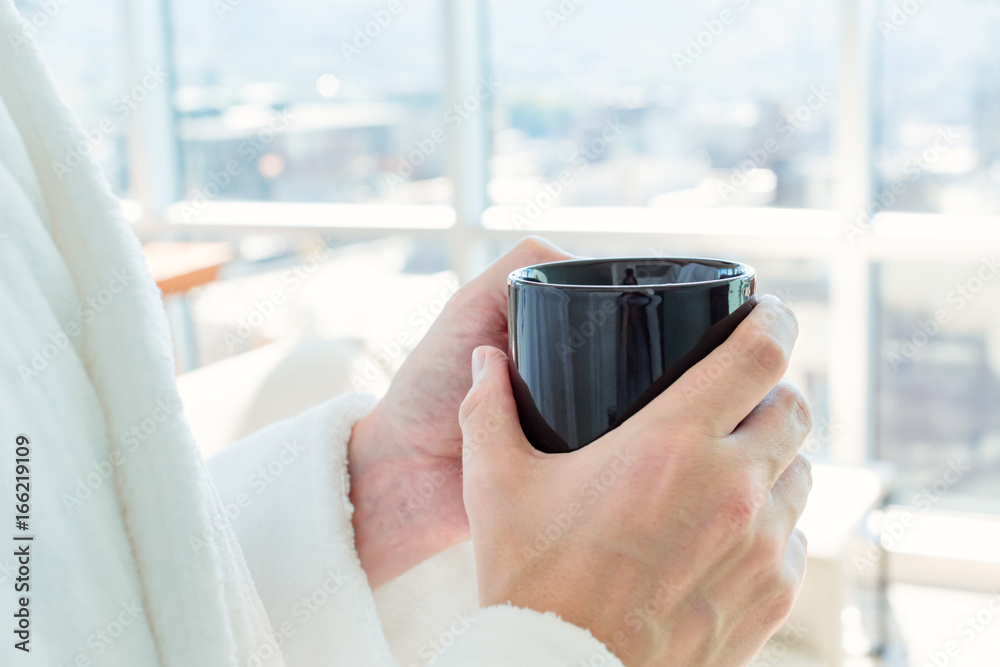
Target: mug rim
747, 272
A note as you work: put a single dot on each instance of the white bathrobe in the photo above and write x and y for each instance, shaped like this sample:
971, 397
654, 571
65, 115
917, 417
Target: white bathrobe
141, 556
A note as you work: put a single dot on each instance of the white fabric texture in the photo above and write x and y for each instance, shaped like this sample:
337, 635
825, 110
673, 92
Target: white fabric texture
87, 359
286, 489
135, 562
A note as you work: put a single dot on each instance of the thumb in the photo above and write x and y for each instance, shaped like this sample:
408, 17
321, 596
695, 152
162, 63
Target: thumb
488, 416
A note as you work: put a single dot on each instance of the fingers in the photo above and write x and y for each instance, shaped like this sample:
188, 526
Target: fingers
791, 491
794, 568
491, 429
722, 389
772, 434
795, 555
790, 574
528, 251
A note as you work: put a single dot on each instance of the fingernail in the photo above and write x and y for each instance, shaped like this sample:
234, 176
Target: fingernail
478, 363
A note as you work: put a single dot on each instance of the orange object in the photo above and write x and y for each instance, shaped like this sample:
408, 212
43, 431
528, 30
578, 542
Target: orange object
179, 267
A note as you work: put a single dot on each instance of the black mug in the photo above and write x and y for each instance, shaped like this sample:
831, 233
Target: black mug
593, 341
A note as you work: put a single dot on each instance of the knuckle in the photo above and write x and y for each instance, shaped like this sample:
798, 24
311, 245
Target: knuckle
738, 514
802, 538
768, 550
705, 614
740, 504
795, 404
802, 465
536, 248
470, 406
777, 310
528, 244
780, 602
767, 352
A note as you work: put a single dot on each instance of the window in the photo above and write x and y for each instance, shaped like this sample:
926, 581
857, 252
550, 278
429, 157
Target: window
84, 45
664, 103
940, 383
630, 120
939, 133
311, 102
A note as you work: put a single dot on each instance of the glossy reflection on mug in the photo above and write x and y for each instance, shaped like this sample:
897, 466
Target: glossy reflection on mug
593, 341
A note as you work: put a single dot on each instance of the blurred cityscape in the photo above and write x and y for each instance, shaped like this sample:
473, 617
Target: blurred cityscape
307, 101
711, 113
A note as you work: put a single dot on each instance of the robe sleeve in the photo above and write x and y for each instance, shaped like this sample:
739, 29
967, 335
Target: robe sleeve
285, 493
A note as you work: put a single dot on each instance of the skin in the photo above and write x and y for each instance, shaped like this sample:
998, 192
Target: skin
680, 546
412, 442
672, 538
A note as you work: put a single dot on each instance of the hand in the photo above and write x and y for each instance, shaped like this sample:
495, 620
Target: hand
405, 457
672, 538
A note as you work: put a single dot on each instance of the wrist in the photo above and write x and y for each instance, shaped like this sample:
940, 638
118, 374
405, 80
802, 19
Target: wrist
406, 506
607, 606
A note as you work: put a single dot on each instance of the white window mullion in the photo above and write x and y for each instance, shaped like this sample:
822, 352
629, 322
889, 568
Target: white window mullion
852, 362
468, 71
153, 149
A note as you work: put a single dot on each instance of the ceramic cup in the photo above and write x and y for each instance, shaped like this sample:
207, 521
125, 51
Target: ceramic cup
593, 341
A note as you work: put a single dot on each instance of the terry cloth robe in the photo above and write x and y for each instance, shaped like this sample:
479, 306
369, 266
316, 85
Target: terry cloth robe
141, 554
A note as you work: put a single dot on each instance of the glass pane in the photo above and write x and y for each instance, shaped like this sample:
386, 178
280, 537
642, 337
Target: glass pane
940, 383
664, 103
939, 139
84, 45
307, 101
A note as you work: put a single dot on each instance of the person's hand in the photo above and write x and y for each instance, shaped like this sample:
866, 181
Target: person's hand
405, 457
672, 538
